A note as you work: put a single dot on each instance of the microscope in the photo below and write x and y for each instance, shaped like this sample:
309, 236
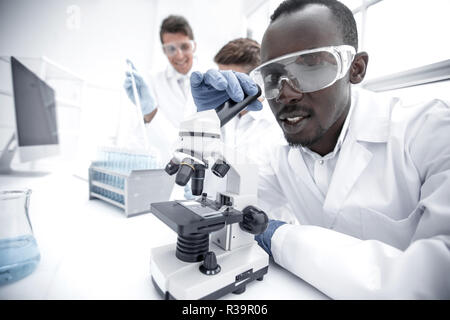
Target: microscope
215, 253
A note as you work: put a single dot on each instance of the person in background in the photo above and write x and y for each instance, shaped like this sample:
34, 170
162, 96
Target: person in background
249, 130
367, 177
168, 92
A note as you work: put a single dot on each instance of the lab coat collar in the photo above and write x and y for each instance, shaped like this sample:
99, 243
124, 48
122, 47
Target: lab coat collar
341, 137
171, 73
298, 165
371, 119
368, 122
353, 159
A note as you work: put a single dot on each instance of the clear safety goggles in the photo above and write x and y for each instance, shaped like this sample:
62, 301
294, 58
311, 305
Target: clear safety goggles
305, 71
171, 49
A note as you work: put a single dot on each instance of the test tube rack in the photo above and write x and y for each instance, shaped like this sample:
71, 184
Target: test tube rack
131, 191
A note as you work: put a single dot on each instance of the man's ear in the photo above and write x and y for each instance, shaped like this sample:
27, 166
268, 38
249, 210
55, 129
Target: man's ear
359, 67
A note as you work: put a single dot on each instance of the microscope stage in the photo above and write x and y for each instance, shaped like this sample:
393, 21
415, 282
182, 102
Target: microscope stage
188, 217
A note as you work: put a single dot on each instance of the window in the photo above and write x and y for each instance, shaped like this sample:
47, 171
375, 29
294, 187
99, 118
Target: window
258, 21
404, 35
404, 39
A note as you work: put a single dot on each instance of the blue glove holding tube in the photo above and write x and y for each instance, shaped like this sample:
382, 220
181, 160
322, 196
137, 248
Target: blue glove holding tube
213, 88
265, 239
146, 99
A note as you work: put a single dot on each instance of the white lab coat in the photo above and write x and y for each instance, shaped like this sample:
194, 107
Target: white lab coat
251, 133
173, 100
248, 136
174, 103
383, 228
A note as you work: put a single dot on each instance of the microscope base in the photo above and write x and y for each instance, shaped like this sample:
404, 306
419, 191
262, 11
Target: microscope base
175, 279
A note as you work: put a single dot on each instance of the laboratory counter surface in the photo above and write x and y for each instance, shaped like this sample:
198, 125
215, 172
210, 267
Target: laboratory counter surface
90, 250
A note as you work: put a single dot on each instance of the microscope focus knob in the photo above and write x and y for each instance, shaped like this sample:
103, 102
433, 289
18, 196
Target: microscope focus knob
254, 220
209, 265
220, 169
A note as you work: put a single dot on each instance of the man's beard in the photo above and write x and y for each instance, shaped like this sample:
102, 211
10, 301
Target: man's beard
307, 141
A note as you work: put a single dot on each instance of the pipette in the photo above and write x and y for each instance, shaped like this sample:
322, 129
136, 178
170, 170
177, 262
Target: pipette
138, 105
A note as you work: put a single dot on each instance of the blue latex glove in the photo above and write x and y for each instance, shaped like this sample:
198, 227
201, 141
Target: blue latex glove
148, 103
213, 88
265, 239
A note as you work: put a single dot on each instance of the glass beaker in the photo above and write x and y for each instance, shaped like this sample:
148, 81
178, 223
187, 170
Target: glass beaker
19, 253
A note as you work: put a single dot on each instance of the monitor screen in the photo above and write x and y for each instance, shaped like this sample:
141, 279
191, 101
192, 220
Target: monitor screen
35, 108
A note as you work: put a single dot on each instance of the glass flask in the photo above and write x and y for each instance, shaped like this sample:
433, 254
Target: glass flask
19, 253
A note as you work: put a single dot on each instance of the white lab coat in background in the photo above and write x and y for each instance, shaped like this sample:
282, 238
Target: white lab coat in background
249, 135
172, 92
382, 230
252, 135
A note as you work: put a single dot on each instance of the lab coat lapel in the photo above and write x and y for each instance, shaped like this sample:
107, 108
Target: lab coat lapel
173, 76
353, 159
297, 163
228, 132
369, 124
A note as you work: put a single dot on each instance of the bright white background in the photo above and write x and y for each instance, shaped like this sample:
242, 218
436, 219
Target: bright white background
89, 40
397, 34
92, 38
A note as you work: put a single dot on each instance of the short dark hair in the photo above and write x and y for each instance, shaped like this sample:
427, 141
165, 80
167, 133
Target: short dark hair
344, 17
242, 51
176, 24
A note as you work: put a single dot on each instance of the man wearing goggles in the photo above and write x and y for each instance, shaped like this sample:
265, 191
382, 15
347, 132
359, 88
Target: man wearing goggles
184, 47
169, 90
305, 71
366, 178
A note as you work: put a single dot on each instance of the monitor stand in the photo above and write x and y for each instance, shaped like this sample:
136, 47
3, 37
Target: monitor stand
6, 157
7, 154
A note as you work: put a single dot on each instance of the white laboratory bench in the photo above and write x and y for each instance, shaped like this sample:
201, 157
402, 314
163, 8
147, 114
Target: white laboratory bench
90, 250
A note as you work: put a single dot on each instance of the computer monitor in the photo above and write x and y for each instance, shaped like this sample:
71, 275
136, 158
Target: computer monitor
35, 116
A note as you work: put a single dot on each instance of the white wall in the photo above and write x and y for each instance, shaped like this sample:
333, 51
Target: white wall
214, 23
399, 35
92, 38
402, 35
